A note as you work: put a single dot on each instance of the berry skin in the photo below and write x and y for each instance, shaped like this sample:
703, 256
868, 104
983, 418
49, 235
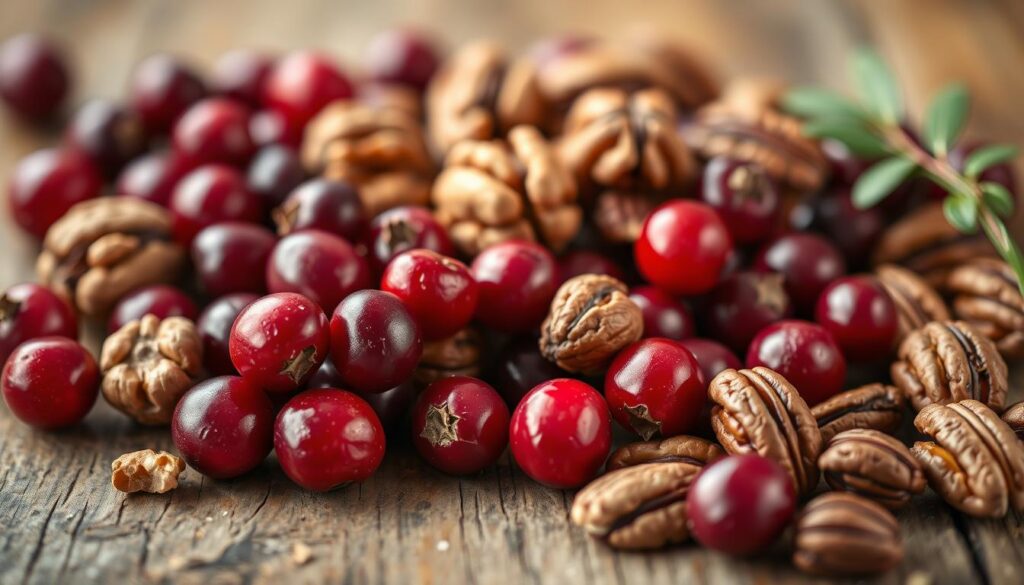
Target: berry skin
279, 341
519, 368
438, 291
683, 247
214, 327
162, 88
271, 128
152, 177
860, 315
318, 265
460, 425
402, 229
561, 433
805, 354
107, 133
273, 173
46, 184
301, 84
50, 382
208, 195
391, 405
807, 263
325, 205
214, 130
327, 438
712, 357
743, 304
28, 311
517, 281
402, 56
664, 316
34, 78
744, 196
579, 262
231, 257
160, 300
241, 75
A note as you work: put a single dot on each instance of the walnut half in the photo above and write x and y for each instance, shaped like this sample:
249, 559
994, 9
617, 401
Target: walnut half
146, 471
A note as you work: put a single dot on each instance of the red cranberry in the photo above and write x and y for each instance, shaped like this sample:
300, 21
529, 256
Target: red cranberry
579, 262
241, 74
460, 425
807, 262
152, 177
391, 405
375, 342
854, 231
683, 247
50, 382
279, 341
162, 89
47, 183
302, 83
159, 300
712, 357
214, 130
275, 172
655, 388
439, 291
664, 316
107, 133
860, 315
28, 311
271, 128
405, 228
805, 354
740, 504
846, 166
223, 427
519, 368
214, 327
208, 195
232, 257
34, 79
743, 304
326, 205
401, 56
744, 196
316, 264
561, 433
517, 281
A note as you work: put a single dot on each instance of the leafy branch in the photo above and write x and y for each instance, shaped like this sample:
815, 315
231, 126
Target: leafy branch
870, 127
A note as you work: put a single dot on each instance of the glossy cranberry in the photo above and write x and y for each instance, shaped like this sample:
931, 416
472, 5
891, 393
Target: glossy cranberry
712, 357
519, 368
517, 281
223, 427
326, 205
846, 166
241, 74
561, 433
683, 247
744, 196
279, 341
460, 425
439, 291
208, 195
107, 133
401, 56
34, 79
807, 263
853, 231
664, 316
740, 504
580, 262
214, 130
302, 83
152, 177
375, 342
271, 128
391, 405
46, 183
214, 327
160, 300
860, 315
805, 354
232, 257
50, 382
743, 304
28, 311
162, 88
402, 229
316, 264
275, 172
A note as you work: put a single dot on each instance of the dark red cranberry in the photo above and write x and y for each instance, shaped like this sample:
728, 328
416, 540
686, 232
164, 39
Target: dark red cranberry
47, 183
214, 327
740, 504
208, 195
162, 88
34, 79
561, 433
375, 342
241, 74
402, 229
108, 133
460, 425
326, 205
519, 368
439, 291
854, 231
579, 262
655, 388
271, 128
223, 427
28, 311
152, 177
50, 382
805, 354
846, 166
860, 315
232, 257
807, 263
743, 304
327, 438
402, 56
391, 405
302, 83
664, 316
159, 300
517, 281
744, 196
275, 172
712, 357
683, 247
316, 264
214, 130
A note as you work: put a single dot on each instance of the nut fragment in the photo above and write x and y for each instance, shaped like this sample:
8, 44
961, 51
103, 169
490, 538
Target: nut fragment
458, 355
986, 295
874, 406
917, 303
1014, 416
146, 471
873, 465
840, 534
678, 449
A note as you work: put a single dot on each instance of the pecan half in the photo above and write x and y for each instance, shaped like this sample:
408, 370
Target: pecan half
146, 471
874, 406
986, 296
840, 534
1014, 416
458, 355
917, 303
678, 449
873, 465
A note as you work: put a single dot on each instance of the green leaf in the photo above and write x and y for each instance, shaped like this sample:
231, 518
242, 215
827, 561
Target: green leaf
945, 119
858, 138
997, 233
997, 198
876, 86
880, 180
988, 156
961, 212
813, 102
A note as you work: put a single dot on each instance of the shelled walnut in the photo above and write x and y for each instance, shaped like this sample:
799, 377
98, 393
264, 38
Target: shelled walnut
146, 471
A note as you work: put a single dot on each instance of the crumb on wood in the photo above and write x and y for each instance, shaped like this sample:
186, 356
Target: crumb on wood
146, 471
301, 553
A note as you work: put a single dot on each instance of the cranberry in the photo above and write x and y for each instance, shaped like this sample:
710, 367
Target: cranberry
517, 281
807, 262
28, 311
208, 195
405, 228
846, 166
860, 315
326, 205
318, 265
152, 177
162, 88
853, 231
740, 504
402, 56
232, 257
520, 367
159, 300
214, 328
223, 427
34, 79
439, 292
743, 304
214, 130
712, 357
375, 342
805, 354
391, 405
273, 173
579, 262
50, 382
47, 183
302, 83
241, 75
271, 128
108, 133
683, 247
279, 341
744, 196
664, 316
561, 433
460, 425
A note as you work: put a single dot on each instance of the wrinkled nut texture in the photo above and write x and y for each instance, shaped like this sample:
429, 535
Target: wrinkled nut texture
873, 406
950, 361
148, 364
146, 471
985, 294
1014, 417
840, 534
620, 216
759, 411
104, 248
458, 355
591, 319
917, 303
873, 465
678, 449
976, 462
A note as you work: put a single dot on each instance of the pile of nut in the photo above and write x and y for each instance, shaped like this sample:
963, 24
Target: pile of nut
625, 223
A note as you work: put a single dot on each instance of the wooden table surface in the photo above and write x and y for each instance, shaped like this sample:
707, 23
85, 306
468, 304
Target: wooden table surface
60, 521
